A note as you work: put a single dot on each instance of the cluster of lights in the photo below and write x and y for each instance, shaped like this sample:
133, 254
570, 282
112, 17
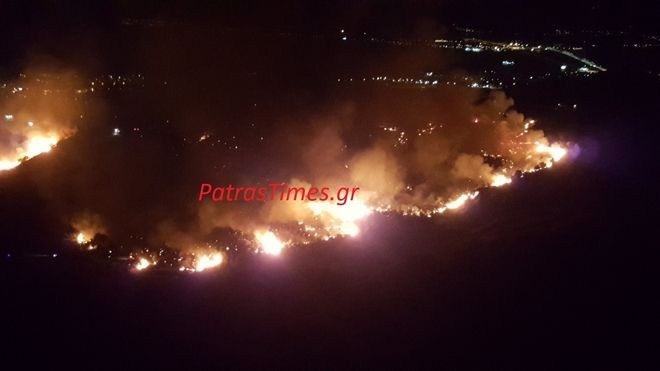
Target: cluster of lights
481, 83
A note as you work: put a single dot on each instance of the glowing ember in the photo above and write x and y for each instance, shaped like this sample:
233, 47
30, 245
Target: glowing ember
208, 261
270, 244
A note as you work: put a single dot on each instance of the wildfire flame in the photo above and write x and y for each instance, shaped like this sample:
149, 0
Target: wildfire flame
205, 262
8, 164
39, 144
511, 144
341, 218
556, 151
32, 147
461, 200
143, 264
81, 239
270, 244
500, 180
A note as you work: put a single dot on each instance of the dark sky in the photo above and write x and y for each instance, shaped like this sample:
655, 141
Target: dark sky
57, 27
398, 15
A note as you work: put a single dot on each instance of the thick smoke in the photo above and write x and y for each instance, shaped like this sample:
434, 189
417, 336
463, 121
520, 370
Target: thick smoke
416, 164
131, 172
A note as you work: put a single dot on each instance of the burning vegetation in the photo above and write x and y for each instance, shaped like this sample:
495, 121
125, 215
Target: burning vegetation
425, 160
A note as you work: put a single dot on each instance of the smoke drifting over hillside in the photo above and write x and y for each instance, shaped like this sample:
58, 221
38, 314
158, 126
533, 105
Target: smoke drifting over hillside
133, 181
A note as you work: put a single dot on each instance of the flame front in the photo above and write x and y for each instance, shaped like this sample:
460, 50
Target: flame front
556, 151
8, 164
39, 144
461, 200
410, 169
205, 262
269, 243
341, 219
32, 147
500, 180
